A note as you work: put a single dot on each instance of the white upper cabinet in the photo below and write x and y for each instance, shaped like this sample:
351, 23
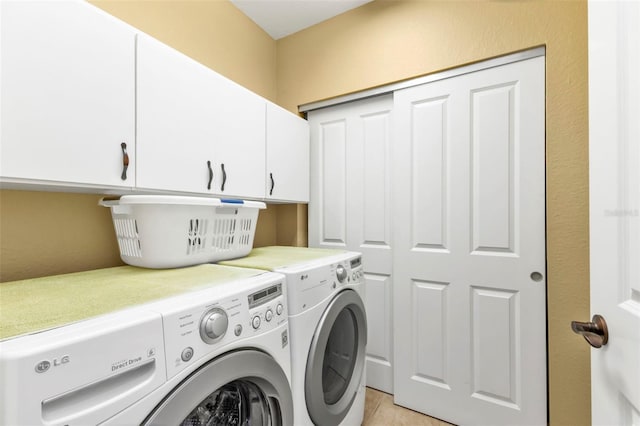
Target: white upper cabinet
239, 121
175, 116
197, 131
287, 156
89, 102
67, 87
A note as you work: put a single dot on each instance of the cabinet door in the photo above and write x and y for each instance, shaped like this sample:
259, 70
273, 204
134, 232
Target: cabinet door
67, 90
176, 120
239, 139
287, 156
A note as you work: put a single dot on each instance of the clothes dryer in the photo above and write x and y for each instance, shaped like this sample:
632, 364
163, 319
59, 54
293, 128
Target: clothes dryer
201, 345
328, 327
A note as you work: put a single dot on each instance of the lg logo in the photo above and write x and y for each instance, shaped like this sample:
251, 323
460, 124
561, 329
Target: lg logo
45, 365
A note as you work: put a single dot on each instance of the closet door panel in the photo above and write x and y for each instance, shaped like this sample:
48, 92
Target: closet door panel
380, 332
328, 204
370, 223
430, 354
495, 357
469, 218
350, 207
370, 167
429, 184
494, 169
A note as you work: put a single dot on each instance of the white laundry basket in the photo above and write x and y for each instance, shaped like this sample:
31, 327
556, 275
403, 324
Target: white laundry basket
157, 231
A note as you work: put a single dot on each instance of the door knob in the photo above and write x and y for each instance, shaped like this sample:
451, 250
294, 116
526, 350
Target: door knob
594, 332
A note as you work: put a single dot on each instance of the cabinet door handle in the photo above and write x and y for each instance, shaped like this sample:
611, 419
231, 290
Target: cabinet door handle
125, 161
273, 183
210, 174
224, 177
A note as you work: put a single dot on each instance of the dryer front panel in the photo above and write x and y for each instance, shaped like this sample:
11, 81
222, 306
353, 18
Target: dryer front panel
336, 359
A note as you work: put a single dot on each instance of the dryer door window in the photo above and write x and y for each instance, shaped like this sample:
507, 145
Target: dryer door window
340, 356
336, 359
243, 387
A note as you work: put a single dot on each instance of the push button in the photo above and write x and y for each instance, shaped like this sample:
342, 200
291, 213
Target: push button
268, 315
255, 322
187, 354
279, 309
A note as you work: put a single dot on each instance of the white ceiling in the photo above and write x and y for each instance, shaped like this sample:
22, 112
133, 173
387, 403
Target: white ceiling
279, 18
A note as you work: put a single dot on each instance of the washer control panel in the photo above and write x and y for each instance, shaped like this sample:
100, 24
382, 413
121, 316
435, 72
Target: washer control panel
267, 308
208, 321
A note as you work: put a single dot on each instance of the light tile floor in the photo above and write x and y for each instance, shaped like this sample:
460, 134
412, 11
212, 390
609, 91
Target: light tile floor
379, 410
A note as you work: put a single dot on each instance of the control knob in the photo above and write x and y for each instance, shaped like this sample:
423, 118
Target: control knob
341, 273
213, 325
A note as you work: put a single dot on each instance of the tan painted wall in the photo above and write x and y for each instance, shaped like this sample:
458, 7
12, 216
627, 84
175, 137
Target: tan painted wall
47, 233
387, 41
52, 233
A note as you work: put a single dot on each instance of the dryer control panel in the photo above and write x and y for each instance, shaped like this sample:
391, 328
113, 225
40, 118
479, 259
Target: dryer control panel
357, 273
311, 285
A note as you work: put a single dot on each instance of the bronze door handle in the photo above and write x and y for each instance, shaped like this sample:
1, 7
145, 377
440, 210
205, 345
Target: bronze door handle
594, 332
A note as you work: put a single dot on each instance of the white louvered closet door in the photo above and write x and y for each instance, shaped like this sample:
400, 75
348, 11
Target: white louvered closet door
350, 208
469, 247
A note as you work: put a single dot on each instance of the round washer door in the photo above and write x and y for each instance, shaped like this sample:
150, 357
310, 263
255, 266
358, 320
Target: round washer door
243, 387
336, 359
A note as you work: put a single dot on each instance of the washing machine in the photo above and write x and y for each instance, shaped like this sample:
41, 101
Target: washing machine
122, 346
328, 327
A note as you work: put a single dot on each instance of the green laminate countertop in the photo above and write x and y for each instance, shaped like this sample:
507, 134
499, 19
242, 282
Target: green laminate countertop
270, 258
38, 304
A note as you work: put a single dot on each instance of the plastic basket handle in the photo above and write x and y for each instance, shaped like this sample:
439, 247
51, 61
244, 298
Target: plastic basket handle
105, 202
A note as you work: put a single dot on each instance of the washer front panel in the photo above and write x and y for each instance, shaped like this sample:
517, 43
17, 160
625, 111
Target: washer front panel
250, 373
